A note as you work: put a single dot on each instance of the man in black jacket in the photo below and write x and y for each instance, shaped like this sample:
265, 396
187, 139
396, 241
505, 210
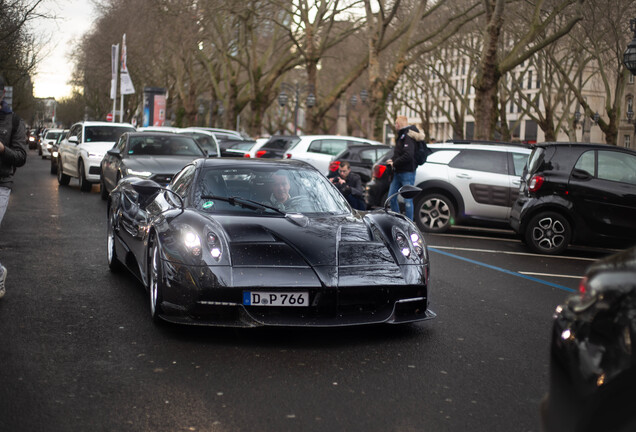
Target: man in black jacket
12, 155
403, 162
350, 185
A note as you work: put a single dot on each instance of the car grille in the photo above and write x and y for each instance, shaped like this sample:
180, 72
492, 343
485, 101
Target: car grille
94, 170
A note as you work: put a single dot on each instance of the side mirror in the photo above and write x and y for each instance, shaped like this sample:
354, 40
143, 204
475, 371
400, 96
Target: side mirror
406, 191
114, 152
149, 188
73, 140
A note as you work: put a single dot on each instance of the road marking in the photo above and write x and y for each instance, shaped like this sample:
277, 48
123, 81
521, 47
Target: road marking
512, 253
478, 237
551, 275
561, 287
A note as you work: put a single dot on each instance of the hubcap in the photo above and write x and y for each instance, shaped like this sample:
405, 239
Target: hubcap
549, 233
435, 213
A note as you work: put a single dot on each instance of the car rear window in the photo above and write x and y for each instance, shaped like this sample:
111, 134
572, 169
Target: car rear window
535, 159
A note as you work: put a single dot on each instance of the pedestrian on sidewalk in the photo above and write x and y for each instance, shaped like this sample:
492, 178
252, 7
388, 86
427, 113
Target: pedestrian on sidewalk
12, 155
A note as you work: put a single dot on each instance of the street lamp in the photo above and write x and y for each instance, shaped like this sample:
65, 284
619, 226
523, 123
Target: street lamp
596, 117
296, 90
629, 56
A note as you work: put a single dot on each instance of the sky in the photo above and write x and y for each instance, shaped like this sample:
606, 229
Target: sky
74, 18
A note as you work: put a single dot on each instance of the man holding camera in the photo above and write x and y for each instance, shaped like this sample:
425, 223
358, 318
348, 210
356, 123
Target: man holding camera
350, 185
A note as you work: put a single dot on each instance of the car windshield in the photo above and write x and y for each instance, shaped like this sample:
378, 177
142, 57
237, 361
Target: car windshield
163, 145
53, 135
105, 133
257, 187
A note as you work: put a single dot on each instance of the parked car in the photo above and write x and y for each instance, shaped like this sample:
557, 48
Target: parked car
82, 150
276, 146
206, 140
592, 383
462, 182
154, 155
213, 249
361, 158
236, 148
222, 133
319, 150
55, 151
576, 193
48, 139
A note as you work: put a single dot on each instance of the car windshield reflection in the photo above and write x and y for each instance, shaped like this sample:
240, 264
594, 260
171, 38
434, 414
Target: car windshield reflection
267, 190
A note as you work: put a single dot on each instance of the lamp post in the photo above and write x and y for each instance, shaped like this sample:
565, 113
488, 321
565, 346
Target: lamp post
629, 56
297, 90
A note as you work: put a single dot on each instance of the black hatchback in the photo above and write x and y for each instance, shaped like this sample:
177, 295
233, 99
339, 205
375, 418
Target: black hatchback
577, 193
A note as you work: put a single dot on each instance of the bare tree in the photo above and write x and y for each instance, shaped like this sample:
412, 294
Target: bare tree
540, 25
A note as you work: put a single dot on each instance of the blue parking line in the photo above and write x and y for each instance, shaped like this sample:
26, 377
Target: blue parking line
561, 287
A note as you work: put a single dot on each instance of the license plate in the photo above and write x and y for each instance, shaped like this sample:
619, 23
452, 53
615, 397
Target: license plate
275, 298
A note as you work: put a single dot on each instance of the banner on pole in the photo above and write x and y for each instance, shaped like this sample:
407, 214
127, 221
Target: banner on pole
126, 86
114, 57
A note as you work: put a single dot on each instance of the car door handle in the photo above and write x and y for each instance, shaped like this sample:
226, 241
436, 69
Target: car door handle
463, 176
516, 183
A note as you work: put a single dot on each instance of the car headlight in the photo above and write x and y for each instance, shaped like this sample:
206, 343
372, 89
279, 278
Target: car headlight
142, 174
194, 243
418, 244
402, 243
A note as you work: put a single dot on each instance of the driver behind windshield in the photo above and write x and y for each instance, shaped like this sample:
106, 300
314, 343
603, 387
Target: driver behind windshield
280, 197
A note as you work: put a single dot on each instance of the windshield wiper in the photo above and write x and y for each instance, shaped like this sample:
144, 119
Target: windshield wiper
244, 202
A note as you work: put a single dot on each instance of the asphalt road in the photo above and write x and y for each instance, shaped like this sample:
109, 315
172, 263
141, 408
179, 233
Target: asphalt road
79, 352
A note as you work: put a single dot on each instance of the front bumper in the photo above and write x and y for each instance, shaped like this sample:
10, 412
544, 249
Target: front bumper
93, 168
198, 295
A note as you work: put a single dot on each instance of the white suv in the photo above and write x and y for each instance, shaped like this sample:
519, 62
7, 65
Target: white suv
81, 152
320, 150
469, 182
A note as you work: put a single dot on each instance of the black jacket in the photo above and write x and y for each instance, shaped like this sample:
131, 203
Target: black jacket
14, 154
403, 155
352, 185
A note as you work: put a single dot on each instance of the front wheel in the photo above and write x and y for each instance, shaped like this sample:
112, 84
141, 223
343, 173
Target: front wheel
85, 185
154, 283
548, 233
113, 262
62, 178
434, 213
53, 166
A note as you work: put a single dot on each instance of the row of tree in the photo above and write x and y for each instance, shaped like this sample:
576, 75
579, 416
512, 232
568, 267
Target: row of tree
235, 56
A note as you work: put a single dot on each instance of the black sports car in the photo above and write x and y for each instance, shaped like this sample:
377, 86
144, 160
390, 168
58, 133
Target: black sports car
250, 242
592, 363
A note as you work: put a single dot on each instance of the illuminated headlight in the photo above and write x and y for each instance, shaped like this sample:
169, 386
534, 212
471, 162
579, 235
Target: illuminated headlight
142, 174
214, 245
400, 239
54, 154
192, 242
418, 244
31, 139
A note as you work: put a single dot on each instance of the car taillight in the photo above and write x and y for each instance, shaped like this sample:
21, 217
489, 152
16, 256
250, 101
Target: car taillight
288, 156
378, 171
333, 166
535, 183
583, 286
260, 153
246, 155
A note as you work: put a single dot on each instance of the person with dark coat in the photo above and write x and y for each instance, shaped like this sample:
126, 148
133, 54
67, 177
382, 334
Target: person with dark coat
350, 186
12, 155
403, 162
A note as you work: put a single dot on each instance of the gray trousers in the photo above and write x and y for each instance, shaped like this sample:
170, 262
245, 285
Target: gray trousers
4, 201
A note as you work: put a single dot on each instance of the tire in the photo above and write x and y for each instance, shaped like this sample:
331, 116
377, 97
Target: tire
53, 167
548, 233
102, 189
113, 261
154, 283
434, 213
85, 185
62, 178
